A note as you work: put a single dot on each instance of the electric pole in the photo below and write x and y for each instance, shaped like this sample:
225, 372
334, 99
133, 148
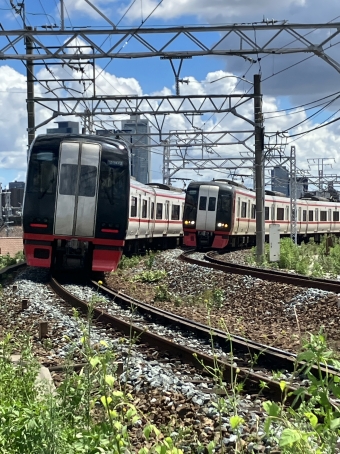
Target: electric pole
259, 169
30, 89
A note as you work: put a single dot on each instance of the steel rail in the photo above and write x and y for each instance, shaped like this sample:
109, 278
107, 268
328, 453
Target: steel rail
267, 356
188, 355
265, 274
11, 268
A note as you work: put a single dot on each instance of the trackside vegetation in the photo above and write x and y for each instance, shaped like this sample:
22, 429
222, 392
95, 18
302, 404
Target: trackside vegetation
7, 260
312, 259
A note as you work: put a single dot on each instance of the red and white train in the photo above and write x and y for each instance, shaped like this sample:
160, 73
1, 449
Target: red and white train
82, 209
221, 213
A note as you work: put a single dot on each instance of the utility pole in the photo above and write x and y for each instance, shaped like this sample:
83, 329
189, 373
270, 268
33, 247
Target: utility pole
30, 89
62, 20
259, 169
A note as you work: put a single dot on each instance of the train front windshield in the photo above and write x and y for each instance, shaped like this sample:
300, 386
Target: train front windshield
42, 172
190, 207
224, 208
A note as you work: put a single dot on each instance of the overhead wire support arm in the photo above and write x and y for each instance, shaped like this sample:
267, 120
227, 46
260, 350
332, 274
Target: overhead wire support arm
212, 40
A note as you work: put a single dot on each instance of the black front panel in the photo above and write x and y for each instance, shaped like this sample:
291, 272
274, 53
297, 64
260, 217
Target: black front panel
41, 184
190, 207
224, 208
113, 193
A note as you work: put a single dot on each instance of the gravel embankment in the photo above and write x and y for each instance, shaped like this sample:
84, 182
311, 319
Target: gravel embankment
270, 313
165, 390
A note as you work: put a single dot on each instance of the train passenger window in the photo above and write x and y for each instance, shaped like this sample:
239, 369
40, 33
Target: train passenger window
310, 215
244, 210
280, 214
335, 216
133, 207
212, 204
87, 181
203, 203
253, 211
152, 215
175, 212
159, 211
266, 213
68, 179
304, 215
323, 215
144, 209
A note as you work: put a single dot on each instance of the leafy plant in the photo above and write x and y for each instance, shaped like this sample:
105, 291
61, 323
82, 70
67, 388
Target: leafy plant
129, 262
162, 293
150, 276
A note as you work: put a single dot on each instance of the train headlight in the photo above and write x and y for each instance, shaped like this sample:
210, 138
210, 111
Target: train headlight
219, 224
192, 222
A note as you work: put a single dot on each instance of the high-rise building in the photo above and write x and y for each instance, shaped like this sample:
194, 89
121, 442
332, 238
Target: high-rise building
16, 188
136, 131
280, 180
64, 127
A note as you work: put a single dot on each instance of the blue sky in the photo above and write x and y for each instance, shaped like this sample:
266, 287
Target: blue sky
287, 80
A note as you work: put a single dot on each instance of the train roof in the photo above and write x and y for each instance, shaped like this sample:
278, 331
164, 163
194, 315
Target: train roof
57, 138
221, 183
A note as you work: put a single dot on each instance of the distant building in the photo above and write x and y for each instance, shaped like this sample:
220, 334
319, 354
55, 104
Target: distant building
136, 130
16, 188
281, 182
64, 127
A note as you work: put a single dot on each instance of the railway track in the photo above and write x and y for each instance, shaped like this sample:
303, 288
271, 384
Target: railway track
265, 274
238, 348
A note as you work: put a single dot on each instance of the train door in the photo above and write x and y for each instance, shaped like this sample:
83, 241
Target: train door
207, 205
76, 204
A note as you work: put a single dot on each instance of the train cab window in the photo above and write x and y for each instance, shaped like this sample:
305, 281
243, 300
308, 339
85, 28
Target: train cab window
310, 215
203, 203
304, 215
175, 211
212, 204
280, 214
144, 209
335, 216
112, 181
159, 211
224, 203
42, 173
133, 213
266, 213
152, 214
244, 210
253, 211
323, 215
